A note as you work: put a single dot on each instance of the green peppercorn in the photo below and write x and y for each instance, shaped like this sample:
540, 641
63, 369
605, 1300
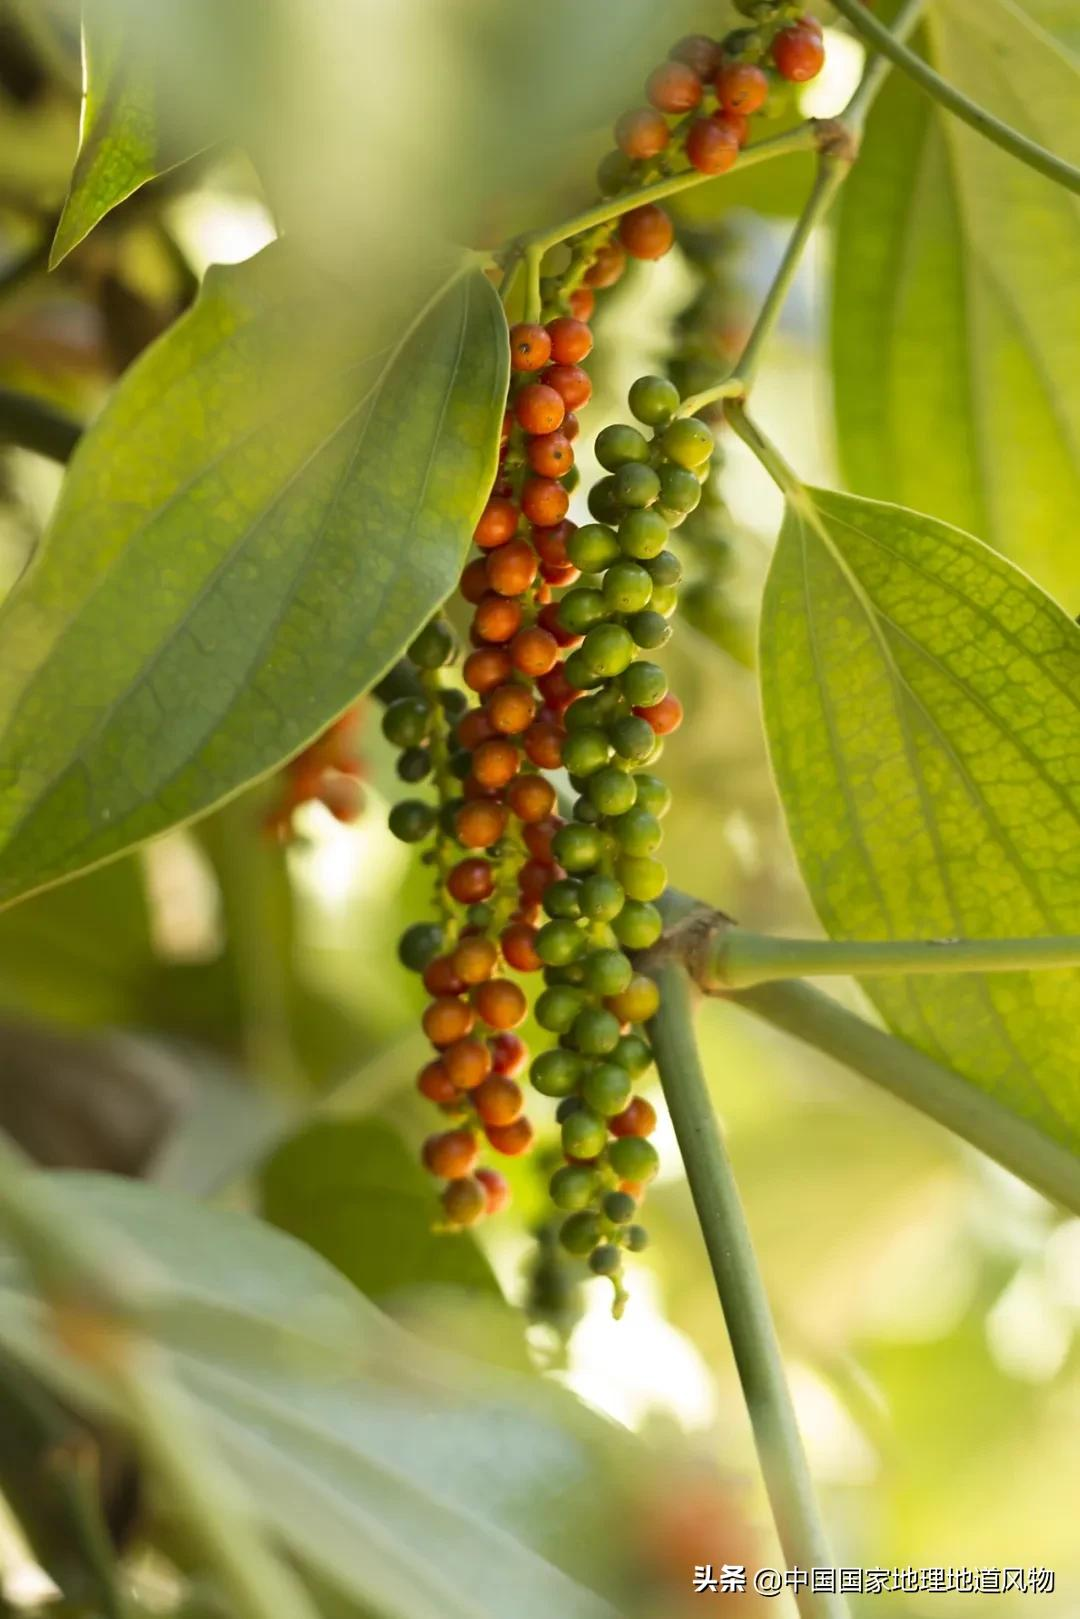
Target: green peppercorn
687, 442
572, 1187
586, 750
638, 831
578, 848
580, 1232
556, 1072
594, 710
411, 820
649, 629
636, 485
619, 444
639, 1001
634, 1237
562, 898
602, 898
584, 1135
453, 702
653, 794
627, 587
568, 1105
611, 790
664, 599
653, 400
614, 171
607, 972
619, 1207
606, 1088
557, 1007
414, 764
642, 877
461, 763
480, 916
578, 670
592, 548
679, 489
633, 1158
606, 651
643, 684
434, 646
632, 738
605, 1260
642, 534
560, 942
419, 945
595, 1031
633, 1054
604, 503
638, 925
583, 607
664, 569
406, 720
585, 811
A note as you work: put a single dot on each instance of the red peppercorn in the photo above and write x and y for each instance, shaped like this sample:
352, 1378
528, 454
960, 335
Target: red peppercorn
544, 502
447, 1019
498, 617
472, 879
555, 577
674, 87
548, 617
556, 690
646, 232
451, 1154
482, 671
543, 744
468, 1063
571, 383
737, 122
531, 798
664, 716
741, 87
435, 1083
538, 840
499, 1100
550, 543
509, 1053
530, 346
534, 651
440, 977
511, 1139
699, 52
582, 303
539, 408
711, 146
642, 133
498, 520
798, 52
637, 1119
607, 266
571, 340
510, 709
496, 1189
512, 568
473, 581
480, 823
551, 455
500, 1003
519, 948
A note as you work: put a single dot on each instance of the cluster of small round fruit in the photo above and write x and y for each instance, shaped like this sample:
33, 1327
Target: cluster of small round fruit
329, 771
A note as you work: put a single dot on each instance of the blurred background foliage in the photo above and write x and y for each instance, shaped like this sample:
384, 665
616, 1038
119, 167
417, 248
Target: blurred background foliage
225, 1013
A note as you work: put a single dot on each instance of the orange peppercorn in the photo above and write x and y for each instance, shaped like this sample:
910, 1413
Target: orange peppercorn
712, 146
497, 524
636, 1119
497, 617
511, 1139
647, 232
519, 948
674, 87
741, 87
472, 879
447, 1019
482, 671
530, 346
539, 408
544, 501
509, 1053
607, 266
474, 581
510, 709
500, 1003
573, 386
642, 133
451, 1154
480, 823
499, 1100
468, 1063
474, 958
582, 303
551, 455
534, 651
440, 978
494, 764
496, 1188
532, 798
512, 568
435, 1083
571, 340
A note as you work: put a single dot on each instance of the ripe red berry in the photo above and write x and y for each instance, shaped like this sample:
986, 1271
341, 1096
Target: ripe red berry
664, 716
512, 568
531, 798
549, 617
534, 651
468, 1063
699, 52
637, 1119
494, 764
518, 942
737, 122
509, 1053
472, 879
497, 617
741, 87
534, 877
510, 709
674, 87
499, 1100
582, 303
500, 1003
550, 543
647, 232
482, 671
556, 690
571, 340
440, 977
435, 1083
496, 1189
530, 346
538, 840
473, 581
571, 383
551, 455
543, 744
642, 133
539, 408
447, 1019
511, 1139
798, 52
480, 823
607, 266
498, 520
451, 1154
475, 957
544, 501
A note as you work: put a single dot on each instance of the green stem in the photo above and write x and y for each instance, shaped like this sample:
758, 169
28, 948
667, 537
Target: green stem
742, 1294
35, 425
737, 959
877, 69
972, 1114
766, 451
804, 138
1010, 140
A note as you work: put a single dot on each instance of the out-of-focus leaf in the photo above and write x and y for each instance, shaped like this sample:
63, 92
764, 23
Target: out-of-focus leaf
352, 1191
955, 337
411, 1482
278, 494
922, 702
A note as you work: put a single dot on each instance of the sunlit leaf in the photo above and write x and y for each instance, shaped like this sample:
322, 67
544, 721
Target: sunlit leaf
277, 495
922, 701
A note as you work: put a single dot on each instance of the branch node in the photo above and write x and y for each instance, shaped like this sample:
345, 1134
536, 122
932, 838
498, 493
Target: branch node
691, 941
833, 138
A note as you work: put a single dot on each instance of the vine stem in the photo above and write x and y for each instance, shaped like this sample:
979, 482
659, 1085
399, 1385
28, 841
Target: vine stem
993, 129
742, 1293
33, 424
739, 959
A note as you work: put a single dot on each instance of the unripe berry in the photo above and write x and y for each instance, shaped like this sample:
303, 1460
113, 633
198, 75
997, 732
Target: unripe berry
580, 1233
619, 1207
573, 1187
406, 720
419, 945
687, 442
606, 1088
611, 790
642, 877
633, 1158
595, 1032
653, 400
592, 549
607, 650
627, 587
556, 1073
633, 1054
559, 942
602, 897
557, 1008
637, 830
578, 849
618, 444
643, 683
637, 1003
607, 972
584, 1135
605, 1260
434, 646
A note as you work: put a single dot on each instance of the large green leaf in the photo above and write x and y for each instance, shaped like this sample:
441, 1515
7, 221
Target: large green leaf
956, 340
277, 495
922, 701
354, 1193
425, 1487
